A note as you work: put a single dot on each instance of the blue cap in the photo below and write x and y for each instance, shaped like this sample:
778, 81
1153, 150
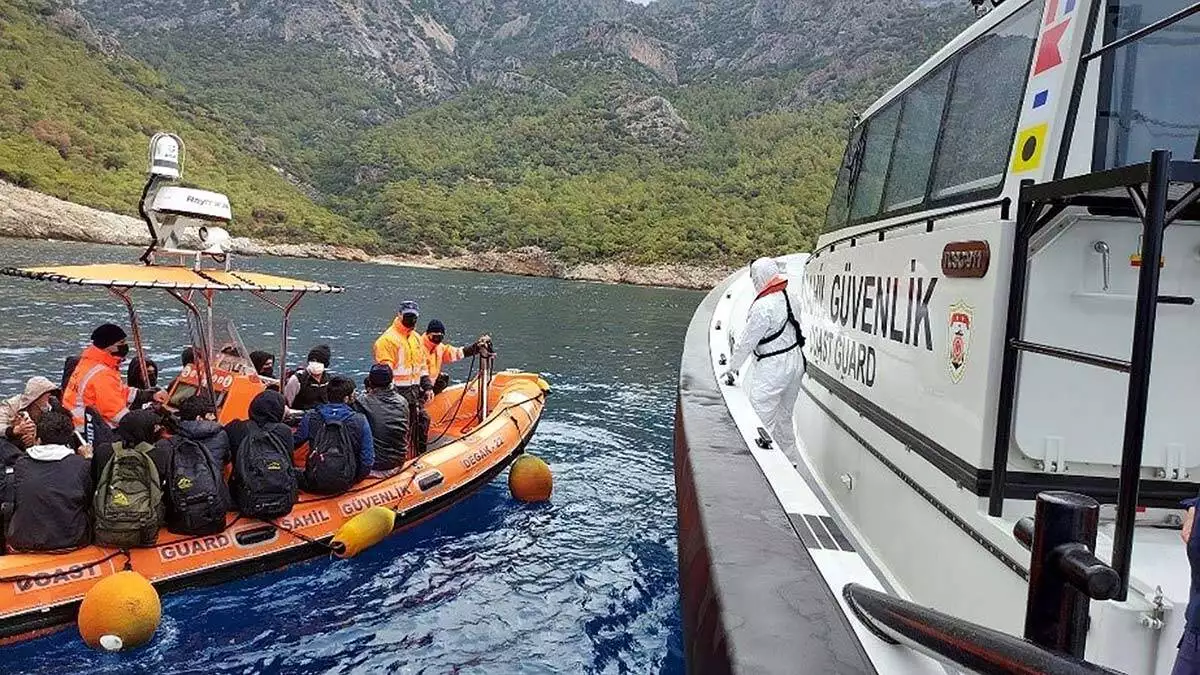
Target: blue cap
380, 375
409, 307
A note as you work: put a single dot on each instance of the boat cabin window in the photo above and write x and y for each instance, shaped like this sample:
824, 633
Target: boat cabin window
985, 102
947, 138
916, 141
839, 203
872, 170
1150, 91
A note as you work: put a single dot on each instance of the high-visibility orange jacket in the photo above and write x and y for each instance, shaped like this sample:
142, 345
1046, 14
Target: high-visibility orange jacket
440, 355
402, 349
96, 383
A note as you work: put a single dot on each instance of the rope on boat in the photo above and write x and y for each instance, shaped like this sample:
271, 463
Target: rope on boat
337, 548
461, 398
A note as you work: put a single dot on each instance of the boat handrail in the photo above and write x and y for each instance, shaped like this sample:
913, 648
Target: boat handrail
955, 642
1064, 576
1039, 205
926, 216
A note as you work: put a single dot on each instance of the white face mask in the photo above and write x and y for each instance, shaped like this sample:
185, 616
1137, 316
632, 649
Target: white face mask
316, 368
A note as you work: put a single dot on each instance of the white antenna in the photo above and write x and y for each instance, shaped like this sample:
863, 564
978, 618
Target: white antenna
166, 155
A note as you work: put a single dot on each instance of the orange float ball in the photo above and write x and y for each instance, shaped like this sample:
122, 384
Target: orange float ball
529, 479
121, 611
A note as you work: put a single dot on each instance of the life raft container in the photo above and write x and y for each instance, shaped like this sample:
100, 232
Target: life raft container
42, 592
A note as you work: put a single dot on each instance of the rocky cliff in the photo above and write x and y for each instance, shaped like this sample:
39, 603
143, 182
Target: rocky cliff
431, 49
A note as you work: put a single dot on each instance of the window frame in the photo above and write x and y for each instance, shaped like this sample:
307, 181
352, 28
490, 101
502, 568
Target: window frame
927, 202
852, 138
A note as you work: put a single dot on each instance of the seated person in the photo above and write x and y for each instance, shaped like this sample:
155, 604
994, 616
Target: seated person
387, 413
261, 445
52, 490
341, 450
179, 391
139, 426
19, 414
134, 378
264, 365
198, 421
68, 369
306, 389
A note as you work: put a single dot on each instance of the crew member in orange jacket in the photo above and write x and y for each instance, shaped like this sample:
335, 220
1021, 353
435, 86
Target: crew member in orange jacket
96, 382
442, 353
401, 347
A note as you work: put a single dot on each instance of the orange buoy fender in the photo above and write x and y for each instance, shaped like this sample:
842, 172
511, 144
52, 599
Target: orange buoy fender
530, 480
363, 531
121, 611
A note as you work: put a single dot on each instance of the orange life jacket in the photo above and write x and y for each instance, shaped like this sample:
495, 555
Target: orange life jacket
440, 355
402, 349
96, 383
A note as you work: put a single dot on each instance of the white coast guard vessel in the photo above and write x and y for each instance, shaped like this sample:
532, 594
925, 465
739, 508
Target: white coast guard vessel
1002, 304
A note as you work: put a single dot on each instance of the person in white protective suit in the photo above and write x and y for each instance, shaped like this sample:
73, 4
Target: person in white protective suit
772, 334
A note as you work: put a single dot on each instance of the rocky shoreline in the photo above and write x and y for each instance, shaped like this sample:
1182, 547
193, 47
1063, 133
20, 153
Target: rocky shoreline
26, 214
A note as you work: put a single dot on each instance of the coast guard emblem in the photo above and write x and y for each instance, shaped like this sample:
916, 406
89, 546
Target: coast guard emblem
961, 315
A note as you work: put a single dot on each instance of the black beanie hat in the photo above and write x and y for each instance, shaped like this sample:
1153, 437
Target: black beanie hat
320, 354
107, 335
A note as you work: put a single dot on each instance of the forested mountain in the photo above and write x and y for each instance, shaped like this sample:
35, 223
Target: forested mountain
698, 130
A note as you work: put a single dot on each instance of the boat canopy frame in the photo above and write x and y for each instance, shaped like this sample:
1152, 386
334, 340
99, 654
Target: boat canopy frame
183, 284
1116, 191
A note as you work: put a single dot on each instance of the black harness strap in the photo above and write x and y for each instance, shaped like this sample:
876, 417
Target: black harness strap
791, 321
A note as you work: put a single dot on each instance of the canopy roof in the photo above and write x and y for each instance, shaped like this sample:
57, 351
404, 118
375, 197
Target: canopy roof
155, 276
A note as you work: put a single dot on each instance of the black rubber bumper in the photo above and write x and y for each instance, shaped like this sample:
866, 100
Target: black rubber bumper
753, 599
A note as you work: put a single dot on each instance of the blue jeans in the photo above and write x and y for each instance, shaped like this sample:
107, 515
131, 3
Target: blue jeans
1187, 662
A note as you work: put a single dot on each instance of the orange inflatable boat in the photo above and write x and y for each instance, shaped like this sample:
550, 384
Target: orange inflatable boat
39, 592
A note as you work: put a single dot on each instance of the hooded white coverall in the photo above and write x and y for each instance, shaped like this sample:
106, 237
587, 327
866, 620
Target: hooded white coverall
774, 381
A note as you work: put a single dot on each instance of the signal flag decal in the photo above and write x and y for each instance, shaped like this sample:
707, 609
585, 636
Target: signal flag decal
1048, 54
1031, 143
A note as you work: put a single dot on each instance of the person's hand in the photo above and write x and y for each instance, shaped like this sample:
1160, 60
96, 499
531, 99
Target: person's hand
1185, 533
85, 451
161, 397
25, 429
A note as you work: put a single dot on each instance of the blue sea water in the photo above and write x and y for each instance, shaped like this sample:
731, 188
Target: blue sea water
587, 583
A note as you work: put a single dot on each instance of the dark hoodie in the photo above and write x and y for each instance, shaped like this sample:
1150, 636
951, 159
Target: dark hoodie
356, 422
266, 411
134, 428
209, 434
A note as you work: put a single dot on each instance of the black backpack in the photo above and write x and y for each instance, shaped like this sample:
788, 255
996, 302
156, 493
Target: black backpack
197, 498
332, 461
7, 492
263, 478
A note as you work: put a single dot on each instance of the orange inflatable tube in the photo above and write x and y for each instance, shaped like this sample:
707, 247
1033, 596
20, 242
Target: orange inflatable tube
40, 592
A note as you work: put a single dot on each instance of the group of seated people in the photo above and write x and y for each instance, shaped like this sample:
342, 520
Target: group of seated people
107, 464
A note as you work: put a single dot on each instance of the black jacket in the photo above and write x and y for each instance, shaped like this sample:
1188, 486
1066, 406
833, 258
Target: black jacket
387, 413
266, 411
52, 500
209, 434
